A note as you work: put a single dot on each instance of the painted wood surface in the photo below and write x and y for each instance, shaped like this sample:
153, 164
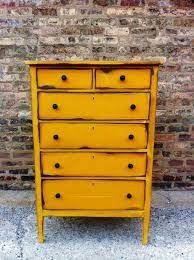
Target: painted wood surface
93, 194
93, 148
99, 164
101, 106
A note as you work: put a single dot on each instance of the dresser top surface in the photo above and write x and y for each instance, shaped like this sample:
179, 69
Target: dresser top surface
91, 62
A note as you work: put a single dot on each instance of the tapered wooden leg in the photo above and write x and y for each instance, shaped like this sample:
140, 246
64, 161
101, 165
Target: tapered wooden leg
40, 222
145, 229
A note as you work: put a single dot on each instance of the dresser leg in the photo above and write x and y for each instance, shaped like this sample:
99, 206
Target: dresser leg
40, 220
145, 230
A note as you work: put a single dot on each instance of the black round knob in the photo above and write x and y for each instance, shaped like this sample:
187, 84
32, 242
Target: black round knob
55, 106
130, 166
133, 106
129, 196
122, 77
56, 137
64, 77
131, 137
57, 195
57, 165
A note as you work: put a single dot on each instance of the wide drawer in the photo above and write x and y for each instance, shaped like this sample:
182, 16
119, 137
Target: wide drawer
93, 106
93, 164
64, 78
123, 78
92, 135
93, 194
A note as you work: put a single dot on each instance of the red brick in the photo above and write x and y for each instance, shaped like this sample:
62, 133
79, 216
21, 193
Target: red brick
183, 22
66, 2
171, 68
184, 137
4, 155
183, 3
105, 2
132, 2
152, 2
45, 11
165, 137
22, 155
175, 163
9, 178
171, 3
190, 162
6, 3
172, 178
81, 2
10, 163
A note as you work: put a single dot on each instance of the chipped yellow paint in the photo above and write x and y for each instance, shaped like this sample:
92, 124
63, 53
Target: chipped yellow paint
40, 217
93, 194
93, 106
93, 148
64, 78
131, 213
151, 132
101, 62
100, 164
132, 78
96, 135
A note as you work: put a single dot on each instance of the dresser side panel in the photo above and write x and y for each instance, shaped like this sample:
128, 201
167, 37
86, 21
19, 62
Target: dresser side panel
150, 150
36, 140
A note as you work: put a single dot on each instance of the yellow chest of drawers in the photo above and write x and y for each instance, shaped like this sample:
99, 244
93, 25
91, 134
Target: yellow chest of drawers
93, 129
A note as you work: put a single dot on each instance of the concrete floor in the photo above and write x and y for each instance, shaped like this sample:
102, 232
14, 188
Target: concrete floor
171, 231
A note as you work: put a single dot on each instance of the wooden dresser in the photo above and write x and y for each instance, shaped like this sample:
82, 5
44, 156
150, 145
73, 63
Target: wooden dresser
93, 130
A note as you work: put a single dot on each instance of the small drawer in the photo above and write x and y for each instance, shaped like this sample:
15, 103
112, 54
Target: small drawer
92, 135
93, 164
93, 106
93, 194
64, 78
123, 78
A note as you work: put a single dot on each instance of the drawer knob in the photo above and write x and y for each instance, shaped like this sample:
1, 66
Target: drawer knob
55, 137
57, 195
55, 106
131, 137
122, 77
130, 166
129, 196
57, 165
64, 77
133, 106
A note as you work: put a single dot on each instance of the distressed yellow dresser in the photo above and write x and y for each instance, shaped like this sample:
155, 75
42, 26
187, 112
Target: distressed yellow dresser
93, 129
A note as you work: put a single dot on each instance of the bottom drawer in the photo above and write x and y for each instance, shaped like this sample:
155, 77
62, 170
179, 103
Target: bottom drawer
93, 194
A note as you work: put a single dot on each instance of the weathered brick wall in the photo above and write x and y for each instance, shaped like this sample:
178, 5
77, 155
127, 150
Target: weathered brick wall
98, 29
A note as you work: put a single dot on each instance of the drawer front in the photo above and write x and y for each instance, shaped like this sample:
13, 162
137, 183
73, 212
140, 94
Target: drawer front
123, 78
93, 106
93, 194
76, 135
65, 78
93, 164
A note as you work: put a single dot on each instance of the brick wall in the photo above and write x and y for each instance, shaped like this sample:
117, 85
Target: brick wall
98, 29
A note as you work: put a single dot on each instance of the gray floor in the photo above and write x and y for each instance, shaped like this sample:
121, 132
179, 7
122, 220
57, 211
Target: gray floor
171, 231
